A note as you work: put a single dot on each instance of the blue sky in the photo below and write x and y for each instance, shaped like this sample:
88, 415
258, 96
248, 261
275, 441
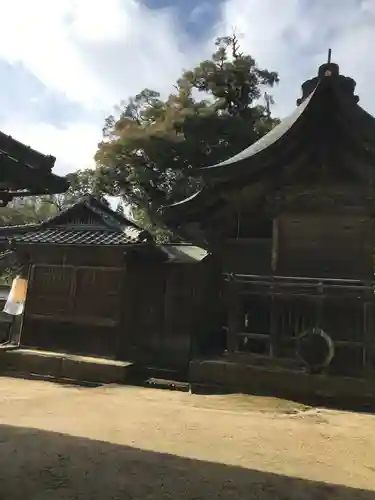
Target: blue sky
64, 64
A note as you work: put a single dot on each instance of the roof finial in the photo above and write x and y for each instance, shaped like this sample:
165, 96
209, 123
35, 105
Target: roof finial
330, 73
329, 56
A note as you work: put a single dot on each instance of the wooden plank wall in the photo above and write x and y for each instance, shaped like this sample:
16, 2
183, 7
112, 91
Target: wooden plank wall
145, 310
325, 246
72, 307
170, 306
162, 313
84, 294
247, 255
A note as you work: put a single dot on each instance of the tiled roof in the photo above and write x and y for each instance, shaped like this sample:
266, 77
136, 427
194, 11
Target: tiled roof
9, 231
88, 222
70, 236
25, 154
26, 171
328, 118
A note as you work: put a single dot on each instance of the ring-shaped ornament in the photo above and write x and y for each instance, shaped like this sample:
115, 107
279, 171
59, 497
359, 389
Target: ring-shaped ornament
315, 348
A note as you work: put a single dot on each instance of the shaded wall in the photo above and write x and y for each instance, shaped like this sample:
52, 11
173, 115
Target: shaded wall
68, 337
247, 255
74, 299
338, 246
143, 310
169, 309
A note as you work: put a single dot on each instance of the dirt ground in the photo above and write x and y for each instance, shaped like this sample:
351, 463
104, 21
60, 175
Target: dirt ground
111, 442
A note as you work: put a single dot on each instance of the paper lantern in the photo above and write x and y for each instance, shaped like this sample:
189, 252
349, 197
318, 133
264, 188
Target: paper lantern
17, 296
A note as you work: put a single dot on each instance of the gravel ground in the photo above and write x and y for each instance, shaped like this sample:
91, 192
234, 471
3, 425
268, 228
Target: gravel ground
111, 442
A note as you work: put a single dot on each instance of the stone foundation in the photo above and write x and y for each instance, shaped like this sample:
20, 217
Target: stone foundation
65, 366
236, 376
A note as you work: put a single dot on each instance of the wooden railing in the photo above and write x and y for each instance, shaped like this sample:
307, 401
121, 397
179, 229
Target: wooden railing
266, 314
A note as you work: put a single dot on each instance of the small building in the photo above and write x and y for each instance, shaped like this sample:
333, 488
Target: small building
291, 220
26, 172
99, 285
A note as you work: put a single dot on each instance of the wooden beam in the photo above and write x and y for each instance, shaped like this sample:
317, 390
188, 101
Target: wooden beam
274, 348
275, 244
234, 315
368, 339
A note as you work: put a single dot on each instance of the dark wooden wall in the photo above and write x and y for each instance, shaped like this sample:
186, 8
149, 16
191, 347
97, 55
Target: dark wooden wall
76, 255
97, 302
168, 309
247, 255
338, 246
315, 245
74, 300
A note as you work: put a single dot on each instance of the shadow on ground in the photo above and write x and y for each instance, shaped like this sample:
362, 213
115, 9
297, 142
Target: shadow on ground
37, 465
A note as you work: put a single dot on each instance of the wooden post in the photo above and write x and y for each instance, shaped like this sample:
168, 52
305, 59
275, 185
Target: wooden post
72, 292
319, 304
234, 312
274, 347
275, 245
368, 338
121, 330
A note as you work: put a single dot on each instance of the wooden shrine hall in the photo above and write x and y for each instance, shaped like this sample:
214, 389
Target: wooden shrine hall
98, 285
280, 257
291, 221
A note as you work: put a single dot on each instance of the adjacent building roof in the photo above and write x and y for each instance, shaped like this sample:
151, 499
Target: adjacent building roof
24, 171
72, 236
328, 125
184, 253
91, 222
88, 222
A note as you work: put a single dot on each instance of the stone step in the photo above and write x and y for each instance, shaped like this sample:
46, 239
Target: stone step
65, 366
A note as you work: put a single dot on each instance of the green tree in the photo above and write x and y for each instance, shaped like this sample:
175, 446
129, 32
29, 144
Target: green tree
28, 210
82, 182
152, 147
35, 209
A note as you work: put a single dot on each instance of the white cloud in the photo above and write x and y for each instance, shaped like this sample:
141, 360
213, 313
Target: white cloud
201, 11
74, 147
293, 38
95, 52
98, 52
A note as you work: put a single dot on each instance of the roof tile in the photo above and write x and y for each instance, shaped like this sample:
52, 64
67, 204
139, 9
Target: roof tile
77, 237
75, 226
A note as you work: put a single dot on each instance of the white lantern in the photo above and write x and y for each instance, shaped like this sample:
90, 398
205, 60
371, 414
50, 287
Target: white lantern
17, 296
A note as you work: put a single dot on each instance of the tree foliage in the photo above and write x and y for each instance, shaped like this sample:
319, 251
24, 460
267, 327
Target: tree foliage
35, 209
151, 147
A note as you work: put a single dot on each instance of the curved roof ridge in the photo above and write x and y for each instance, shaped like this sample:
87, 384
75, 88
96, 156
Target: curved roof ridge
268, 139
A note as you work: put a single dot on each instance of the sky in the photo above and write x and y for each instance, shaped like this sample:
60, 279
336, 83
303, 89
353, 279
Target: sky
65, 64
